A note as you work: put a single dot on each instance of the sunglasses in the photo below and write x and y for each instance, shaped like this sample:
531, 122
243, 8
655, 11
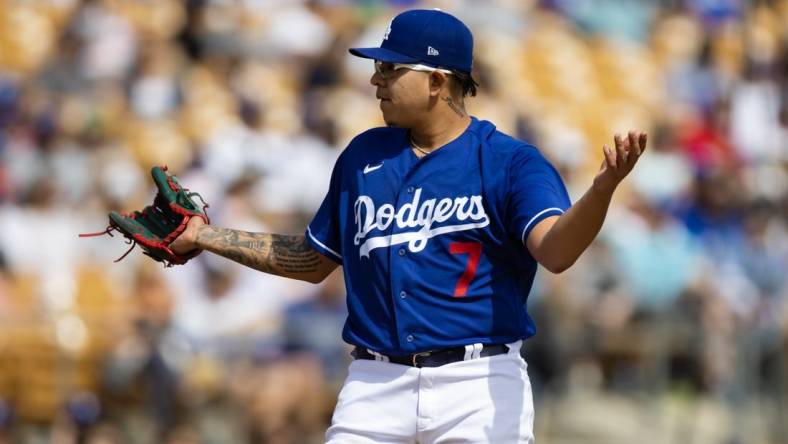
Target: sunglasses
387, 69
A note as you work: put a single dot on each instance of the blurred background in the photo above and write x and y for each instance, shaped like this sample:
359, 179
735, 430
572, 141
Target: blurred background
672, 328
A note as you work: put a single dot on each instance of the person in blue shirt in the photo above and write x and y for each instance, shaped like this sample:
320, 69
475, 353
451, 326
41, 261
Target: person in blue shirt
438, 221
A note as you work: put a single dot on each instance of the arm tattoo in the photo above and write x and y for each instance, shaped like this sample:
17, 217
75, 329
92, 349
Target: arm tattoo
294, 255
278, 254
459, 109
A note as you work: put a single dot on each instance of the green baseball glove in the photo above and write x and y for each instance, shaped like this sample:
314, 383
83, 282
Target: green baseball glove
158, 225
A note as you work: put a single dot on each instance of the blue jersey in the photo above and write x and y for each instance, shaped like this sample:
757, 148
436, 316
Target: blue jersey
433, 248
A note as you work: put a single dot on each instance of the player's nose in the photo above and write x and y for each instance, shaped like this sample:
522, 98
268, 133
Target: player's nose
377, 79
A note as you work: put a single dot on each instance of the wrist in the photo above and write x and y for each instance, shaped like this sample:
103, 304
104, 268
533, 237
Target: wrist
603, 191
198, 236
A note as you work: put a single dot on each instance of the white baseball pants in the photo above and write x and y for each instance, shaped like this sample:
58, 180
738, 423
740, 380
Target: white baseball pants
483, 400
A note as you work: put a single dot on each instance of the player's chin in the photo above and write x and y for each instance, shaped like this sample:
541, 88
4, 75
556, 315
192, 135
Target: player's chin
389, 113
394, 115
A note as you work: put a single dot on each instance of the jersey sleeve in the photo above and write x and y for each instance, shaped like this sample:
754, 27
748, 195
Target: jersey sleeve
536, 191
323, 233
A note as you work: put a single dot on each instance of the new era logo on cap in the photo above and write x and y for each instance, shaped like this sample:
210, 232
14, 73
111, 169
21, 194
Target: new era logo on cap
432, 51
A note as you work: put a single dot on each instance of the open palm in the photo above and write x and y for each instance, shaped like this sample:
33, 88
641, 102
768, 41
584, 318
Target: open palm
619, 162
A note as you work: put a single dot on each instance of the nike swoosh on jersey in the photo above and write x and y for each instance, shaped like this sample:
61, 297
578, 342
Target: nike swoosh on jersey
369, 169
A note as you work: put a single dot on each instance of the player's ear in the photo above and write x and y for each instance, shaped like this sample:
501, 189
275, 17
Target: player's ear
438, 82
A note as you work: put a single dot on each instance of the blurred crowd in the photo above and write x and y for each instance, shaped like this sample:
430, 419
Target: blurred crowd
684, 296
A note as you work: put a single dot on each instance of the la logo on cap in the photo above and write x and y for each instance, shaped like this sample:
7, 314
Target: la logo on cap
388, 31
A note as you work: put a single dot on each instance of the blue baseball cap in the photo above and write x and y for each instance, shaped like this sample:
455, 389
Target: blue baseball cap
427, 36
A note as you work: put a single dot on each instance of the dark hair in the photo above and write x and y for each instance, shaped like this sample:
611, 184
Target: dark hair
465, 83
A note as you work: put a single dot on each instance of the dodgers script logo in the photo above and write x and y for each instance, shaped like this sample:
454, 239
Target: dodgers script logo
420, 216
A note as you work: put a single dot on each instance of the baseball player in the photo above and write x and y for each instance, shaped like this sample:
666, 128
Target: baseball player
439, 222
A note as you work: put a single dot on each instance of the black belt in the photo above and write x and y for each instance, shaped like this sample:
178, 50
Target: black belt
434, 358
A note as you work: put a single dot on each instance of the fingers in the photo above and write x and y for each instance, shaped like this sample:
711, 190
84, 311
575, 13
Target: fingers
621, 151
634, 144
628, 149
643, 139
637, 143
610, 157
620, 161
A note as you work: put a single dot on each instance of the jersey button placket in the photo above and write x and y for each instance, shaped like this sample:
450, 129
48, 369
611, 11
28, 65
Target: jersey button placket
399, 270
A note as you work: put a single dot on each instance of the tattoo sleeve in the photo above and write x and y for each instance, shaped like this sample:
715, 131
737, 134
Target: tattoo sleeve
282, 255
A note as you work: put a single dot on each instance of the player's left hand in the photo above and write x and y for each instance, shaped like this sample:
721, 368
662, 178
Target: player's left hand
619, 162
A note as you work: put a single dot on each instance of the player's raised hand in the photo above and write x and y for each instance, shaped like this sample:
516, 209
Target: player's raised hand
619, 162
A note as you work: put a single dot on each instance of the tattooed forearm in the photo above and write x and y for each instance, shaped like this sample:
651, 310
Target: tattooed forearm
294, 255
289, 256
250, 249
459, 109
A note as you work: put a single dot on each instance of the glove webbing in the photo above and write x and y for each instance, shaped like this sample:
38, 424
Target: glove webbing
110, 228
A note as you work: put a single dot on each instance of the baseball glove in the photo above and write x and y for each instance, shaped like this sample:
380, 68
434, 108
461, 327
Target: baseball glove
158, 225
